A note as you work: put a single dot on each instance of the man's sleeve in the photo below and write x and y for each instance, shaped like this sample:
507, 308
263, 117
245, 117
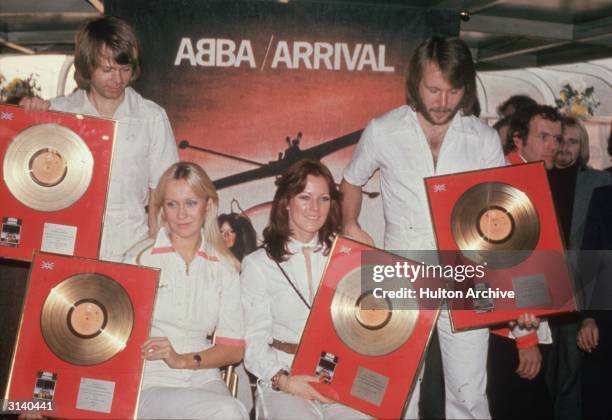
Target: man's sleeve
492, 153
162, 149
364, 161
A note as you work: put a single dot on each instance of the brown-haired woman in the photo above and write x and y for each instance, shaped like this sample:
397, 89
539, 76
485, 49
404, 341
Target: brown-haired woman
278, 284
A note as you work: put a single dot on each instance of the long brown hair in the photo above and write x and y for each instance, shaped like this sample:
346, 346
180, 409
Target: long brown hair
276, 234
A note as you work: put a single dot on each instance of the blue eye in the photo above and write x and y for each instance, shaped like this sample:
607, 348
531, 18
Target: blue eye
192, 203
170, 204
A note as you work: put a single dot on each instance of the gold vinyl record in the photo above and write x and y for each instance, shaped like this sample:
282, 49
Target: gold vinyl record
48, 167
496, 223
368, 325
87, 319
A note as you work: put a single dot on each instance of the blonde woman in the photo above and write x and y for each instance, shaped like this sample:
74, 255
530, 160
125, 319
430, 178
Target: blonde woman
198, 295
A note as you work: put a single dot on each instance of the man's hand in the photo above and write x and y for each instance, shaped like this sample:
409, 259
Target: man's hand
588, 335
530, 362
34, 104
526, 321
353, 231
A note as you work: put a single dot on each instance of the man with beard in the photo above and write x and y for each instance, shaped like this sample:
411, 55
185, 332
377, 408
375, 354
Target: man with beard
435, 134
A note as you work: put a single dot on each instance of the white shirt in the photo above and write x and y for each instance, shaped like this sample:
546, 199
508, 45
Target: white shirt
396, 144
144, 148
272, 309
192, 302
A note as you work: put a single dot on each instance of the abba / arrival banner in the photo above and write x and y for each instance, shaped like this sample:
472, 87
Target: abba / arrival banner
245, 78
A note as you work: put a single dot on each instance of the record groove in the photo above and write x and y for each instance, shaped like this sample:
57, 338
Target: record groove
368, 325
47, 167
87, 319
496, 223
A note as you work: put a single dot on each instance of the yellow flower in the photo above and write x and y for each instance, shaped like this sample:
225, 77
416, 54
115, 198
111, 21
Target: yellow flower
578, 109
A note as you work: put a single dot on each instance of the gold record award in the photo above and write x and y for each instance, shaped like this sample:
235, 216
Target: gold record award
87, 319
496, 223
368, 325
48, 167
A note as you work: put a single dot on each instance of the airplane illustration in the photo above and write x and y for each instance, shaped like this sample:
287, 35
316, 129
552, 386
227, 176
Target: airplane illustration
292, 154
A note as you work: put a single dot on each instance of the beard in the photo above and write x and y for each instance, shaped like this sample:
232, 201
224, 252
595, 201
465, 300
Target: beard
564, 160
429, 114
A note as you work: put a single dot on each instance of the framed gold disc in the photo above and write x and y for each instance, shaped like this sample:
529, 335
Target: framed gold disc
47, 167
87, 319
368, 325
496, 223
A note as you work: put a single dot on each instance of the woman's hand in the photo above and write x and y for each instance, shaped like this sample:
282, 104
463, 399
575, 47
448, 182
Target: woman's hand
299, 385
160, 348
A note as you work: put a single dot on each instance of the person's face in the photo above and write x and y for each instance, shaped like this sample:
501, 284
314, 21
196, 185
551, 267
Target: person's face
503, 133
109, 79
184, 211
229, 235
569, 149
309, 209
542, 141
440, 100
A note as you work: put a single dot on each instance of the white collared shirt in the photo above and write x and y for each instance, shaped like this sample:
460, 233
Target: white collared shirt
192, 302
396, 144
272, 309
144, 148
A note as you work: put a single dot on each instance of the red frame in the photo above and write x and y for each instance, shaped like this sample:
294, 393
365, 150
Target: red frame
320, 335
530, 178
32, 354
87, 214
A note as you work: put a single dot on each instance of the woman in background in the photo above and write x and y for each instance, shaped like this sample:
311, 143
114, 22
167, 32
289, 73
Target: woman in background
238, 233
239, 236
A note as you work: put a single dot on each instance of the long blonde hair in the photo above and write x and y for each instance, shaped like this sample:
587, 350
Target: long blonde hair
203, 187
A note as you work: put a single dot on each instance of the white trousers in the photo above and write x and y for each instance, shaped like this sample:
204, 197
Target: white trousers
464, 361
244, 392
276, 405
211, 401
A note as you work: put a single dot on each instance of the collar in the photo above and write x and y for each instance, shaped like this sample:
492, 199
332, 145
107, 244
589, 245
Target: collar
296, 246
163, 245
122, 110
514, 158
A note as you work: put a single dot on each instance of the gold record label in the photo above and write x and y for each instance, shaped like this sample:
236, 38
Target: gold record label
86, 319
371, 312
368, 325
47, 167
495, 223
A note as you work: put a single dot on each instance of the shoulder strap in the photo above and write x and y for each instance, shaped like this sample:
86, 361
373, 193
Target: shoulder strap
292, 285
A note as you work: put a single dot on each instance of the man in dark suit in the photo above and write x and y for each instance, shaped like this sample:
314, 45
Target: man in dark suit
595, 334
572, 184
